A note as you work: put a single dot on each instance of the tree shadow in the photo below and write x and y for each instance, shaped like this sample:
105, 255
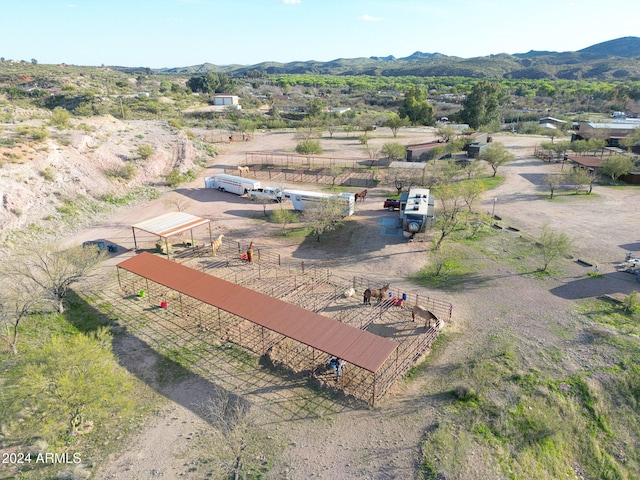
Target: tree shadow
592, 287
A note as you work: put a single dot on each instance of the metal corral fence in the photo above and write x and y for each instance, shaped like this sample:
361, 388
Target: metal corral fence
296, 161
313, 288
349, 178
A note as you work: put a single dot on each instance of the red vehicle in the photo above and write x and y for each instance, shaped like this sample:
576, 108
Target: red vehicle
391, 204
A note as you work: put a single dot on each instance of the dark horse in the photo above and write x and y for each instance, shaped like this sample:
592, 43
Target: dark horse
361, 195
374, 292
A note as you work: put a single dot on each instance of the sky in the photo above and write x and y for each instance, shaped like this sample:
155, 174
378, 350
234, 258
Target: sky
178, 33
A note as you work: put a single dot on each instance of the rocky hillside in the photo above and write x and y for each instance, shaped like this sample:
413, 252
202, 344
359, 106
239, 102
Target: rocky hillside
48, 175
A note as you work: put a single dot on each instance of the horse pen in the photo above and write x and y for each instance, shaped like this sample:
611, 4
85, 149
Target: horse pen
313, 320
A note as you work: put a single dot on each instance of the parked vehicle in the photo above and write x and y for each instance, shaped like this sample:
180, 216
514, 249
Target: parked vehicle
417, 211
266, 193
391, 204
302, 200
231, 183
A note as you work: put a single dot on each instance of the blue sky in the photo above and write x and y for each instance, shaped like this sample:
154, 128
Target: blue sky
175, 33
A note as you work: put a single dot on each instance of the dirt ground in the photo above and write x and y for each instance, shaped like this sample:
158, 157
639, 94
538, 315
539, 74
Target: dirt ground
335, 439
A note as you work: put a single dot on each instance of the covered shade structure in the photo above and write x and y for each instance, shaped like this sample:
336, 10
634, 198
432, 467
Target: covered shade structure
171, 224
358, 347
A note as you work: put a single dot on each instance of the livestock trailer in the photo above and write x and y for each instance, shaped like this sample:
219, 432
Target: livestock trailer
231, 183
304, 200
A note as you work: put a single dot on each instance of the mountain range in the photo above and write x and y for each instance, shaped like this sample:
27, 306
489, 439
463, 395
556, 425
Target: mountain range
617, 59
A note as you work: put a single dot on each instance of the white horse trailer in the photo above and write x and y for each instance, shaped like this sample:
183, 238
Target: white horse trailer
231, 183
303, 200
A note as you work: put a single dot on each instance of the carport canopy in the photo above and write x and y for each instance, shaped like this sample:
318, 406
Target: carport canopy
171, 224
358, 347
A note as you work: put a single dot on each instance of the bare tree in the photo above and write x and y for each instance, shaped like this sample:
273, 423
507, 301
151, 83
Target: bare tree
18, 300
240, 446
53, 271
180, 203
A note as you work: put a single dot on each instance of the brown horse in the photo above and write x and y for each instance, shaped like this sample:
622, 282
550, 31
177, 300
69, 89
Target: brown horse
361, 195
376, 293
428, 316
250, 252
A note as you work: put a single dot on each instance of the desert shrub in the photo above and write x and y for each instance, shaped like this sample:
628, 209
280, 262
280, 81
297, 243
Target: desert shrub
60, 118
48, 174
144, 151
464, 393
86, 128
127, 172
176, 177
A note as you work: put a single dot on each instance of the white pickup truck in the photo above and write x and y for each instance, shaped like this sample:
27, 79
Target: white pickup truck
266, 193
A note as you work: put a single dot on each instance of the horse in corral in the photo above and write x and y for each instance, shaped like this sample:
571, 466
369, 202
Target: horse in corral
244, 171
361, 195
217, 243
250, 252
428, 316
375, 293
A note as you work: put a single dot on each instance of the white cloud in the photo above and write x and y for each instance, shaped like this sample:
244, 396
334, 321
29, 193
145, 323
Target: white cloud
291, 2
369, 18
71, 5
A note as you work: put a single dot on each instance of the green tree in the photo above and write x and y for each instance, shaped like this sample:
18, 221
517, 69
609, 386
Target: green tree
393, 151
470, 192
580, 177
553, 245
482, 105
283, 216
395, 123
446, 133
616, 166
309, 147
631, 140
64, 383
416, 108
553, 180
309, 127
315, 106
212, 83
496, 155
579, 146
246, 126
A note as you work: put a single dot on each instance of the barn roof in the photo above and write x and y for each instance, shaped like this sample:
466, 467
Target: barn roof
358, 347
586, 161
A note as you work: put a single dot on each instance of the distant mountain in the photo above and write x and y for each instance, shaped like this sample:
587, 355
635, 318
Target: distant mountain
627, 47
613, 60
